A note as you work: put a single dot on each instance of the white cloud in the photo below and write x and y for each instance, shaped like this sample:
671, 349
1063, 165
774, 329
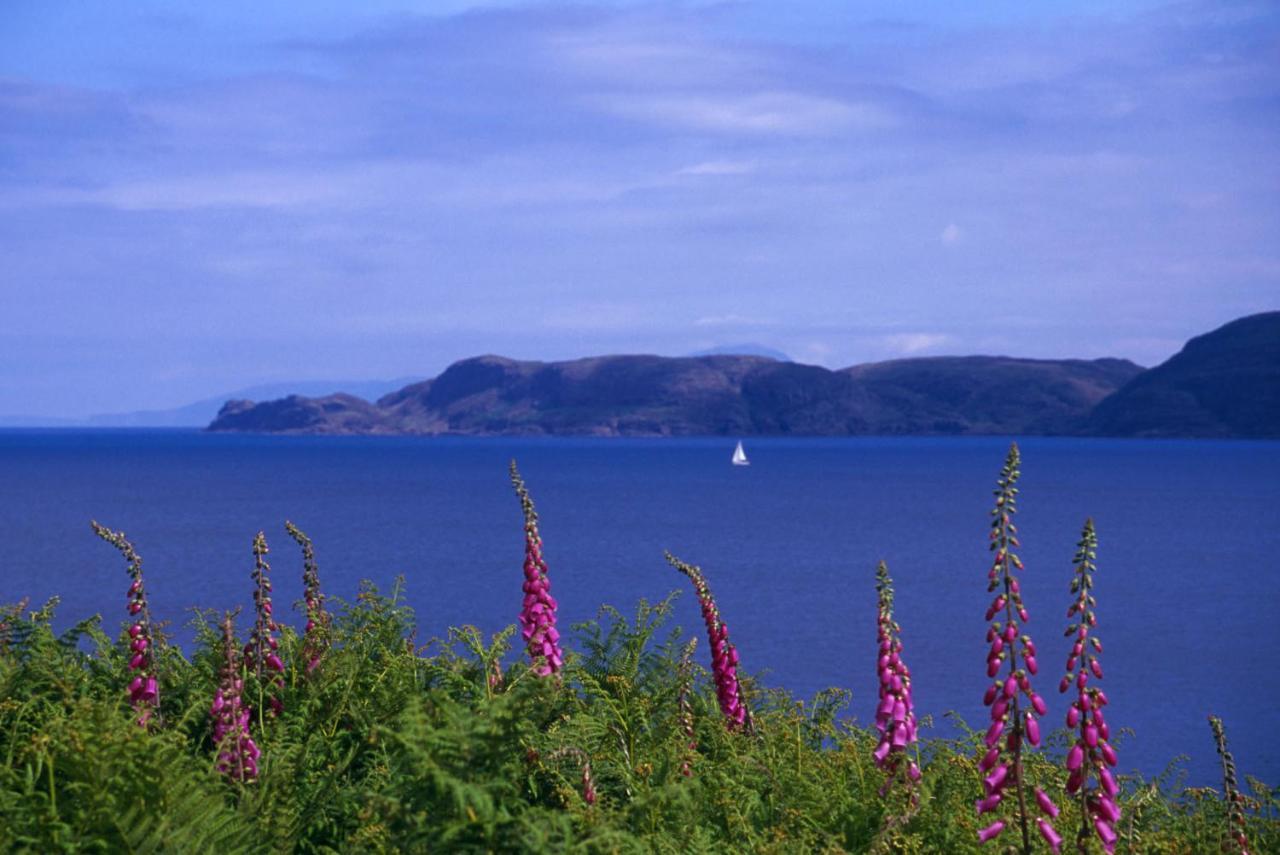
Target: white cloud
815, 353
907, 344
951, 234
719, 167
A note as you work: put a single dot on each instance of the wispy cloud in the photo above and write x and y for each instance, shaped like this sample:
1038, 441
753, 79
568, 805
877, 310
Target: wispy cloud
777, 112
732, 320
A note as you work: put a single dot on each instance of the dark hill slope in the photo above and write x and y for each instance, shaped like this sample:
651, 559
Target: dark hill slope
295, 414
1225, 383
989, 394
644, 395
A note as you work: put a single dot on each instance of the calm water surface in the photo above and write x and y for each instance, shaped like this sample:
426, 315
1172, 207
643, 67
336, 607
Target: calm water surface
1188, 581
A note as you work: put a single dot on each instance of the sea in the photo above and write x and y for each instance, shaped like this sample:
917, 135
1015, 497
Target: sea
1188, 580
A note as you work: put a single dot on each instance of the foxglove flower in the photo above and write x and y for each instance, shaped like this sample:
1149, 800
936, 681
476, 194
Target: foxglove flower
315, 635
1236, 840
1014, 707
895, 714
9, 617
684, 709
144, 691
237, 752
538, 611
724, 656
1088, 777
262, 652
589, 794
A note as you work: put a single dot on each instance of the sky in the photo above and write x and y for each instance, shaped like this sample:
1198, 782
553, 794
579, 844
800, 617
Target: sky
197, 197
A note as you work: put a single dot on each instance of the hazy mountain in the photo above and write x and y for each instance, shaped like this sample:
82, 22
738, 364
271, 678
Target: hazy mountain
748, 349
200, 413
1224, 383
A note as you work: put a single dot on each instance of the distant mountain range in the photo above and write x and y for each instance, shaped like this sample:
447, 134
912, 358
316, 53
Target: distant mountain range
710, 395
1225, 383
200, 413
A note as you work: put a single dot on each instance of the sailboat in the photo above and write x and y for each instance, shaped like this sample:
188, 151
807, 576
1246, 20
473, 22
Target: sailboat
740, 456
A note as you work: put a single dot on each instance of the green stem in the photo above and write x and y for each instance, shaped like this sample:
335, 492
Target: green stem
53, 791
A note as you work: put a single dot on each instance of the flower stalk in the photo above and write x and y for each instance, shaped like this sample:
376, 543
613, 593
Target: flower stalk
1014, 706
237, 752
261, 653
538, 610
315, 636
1089, 762
895, 715
589, 794
684, 709
724, 655
1236, 841
144, 691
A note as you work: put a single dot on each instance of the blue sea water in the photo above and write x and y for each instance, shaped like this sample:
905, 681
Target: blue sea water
1188, 581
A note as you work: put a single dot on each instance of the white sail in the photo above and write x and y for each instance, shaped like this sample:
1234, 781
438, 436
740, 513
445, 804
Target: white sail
740, 456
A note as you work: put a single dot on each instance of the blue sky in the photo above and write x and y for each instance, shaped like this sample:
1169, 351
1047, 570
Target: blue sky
198, 197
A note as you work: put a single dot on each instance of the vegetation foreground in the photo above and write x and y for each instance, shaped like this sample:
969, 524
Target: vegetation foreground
352, 736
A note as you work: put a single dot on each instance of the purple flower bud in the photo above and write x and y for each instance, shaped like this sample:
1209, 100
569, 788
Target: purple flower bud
1075, 757
994, 781
991, 831
1046, 803
987, 804
1107, 809
1050, 835
989, 759
1033, 730
1107, 781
